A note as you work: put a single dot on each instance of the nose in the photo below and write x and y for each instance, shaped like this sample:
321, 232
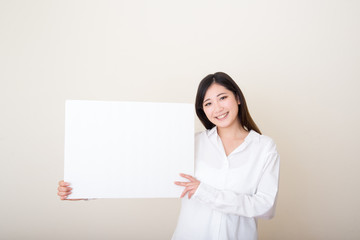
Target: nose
218, 107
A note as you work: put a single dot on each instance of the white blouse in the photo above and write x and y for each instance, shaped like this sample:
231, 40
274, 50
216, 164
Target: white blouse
234, 191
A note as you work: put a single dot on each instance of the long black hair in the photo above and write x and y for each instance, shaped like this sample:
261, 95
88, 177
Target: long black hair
226, 81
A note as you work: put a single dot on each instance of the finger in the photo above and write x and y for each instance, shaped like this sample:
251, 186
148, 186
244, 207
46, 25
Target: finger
191, 193
187, 189
185, 184
190, 188
187, 177
63, 184
183, 193
74, 199
64, 189
64, 198
64, 193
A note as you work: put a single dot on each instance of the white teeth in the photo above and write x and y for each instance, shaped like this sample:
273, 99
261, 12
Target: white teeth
222, 116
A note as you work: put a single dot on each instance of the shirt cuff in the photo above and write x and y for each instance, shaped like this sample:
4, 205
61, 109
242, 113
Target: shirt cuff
205, 192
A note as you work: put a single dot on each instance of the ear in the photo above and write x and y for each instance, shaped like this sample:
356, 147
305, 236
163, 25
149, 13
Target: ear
238, 100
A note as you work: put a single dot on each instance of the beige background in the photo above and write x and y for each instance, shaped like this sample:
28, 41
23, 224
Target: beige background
296, 61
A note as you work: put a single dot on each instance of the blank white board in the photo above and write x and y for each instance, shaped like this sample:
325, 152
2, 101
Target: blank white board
127, 149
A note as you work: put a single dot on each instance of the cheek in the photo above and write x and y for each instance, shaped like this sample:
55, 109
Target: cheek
236, 108
207, 113
232, 106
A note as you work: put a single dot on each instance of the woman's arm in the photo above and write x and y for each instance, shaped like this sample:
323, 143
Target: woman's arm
260, 205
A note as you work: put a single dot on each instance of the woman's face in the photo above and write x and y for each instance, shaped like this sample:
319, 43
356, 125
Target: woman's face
221, 106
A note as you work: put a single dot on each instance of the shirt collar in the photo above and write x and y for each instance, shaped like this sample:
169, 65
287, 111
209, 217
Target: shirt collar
215, 138
252, 134
212, 131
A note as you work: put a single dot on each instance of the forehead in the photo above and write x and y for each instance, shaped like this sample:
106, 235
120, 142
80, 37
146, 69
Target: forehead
214, 90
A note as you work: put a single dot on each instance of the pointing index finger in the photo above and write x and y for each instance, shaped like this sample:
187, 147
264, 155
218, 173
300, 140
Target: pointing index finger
187, 176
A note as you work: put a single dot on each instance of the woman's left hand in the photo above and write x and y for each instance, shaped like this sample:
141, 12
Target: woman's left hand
190, 187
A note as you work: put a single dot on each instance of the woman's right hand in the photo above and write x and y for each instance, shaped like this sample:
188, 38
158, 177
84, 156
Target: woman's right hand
64, 190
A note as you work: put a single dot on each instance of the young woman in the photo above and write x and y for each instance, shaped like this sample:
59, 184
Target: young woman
236, 169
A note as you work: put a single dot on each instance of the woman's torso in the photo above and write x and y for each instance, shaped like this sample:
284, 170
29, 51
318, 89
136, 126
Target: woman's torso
240, 172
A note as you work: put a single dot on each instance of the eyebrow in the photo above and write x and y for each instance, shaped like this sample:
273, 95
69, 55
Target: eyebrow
216, 96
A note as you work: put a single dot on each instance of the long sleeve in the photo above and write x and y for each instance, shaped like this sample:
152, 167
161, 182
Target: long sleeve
259, 205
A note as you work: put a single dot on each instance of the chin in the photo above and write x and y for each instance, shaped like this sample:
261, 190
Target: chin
222, 124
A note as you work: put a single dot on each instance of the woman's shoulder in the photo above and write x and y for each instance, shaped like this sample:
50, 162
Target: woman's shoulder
265, 141
200, 134
203, 136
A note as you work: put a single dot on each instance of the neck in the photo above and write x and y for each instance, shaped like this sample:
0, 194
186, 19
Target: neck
233, 131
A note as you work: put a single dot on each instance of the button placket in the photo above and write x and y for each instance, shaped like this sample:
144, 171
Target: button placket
226, 163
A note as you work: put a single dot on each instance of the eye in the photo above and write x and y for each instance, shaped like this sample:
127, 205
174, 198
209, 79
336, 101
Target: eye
223, 97
207, 104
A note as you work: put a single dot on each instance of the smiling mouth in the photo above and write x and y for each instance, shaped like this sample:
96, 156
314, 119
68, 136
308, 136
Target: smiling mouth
222, 116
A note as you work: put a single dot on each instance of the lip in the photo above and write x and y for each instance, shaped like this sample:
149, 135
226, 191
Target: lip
221, 119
